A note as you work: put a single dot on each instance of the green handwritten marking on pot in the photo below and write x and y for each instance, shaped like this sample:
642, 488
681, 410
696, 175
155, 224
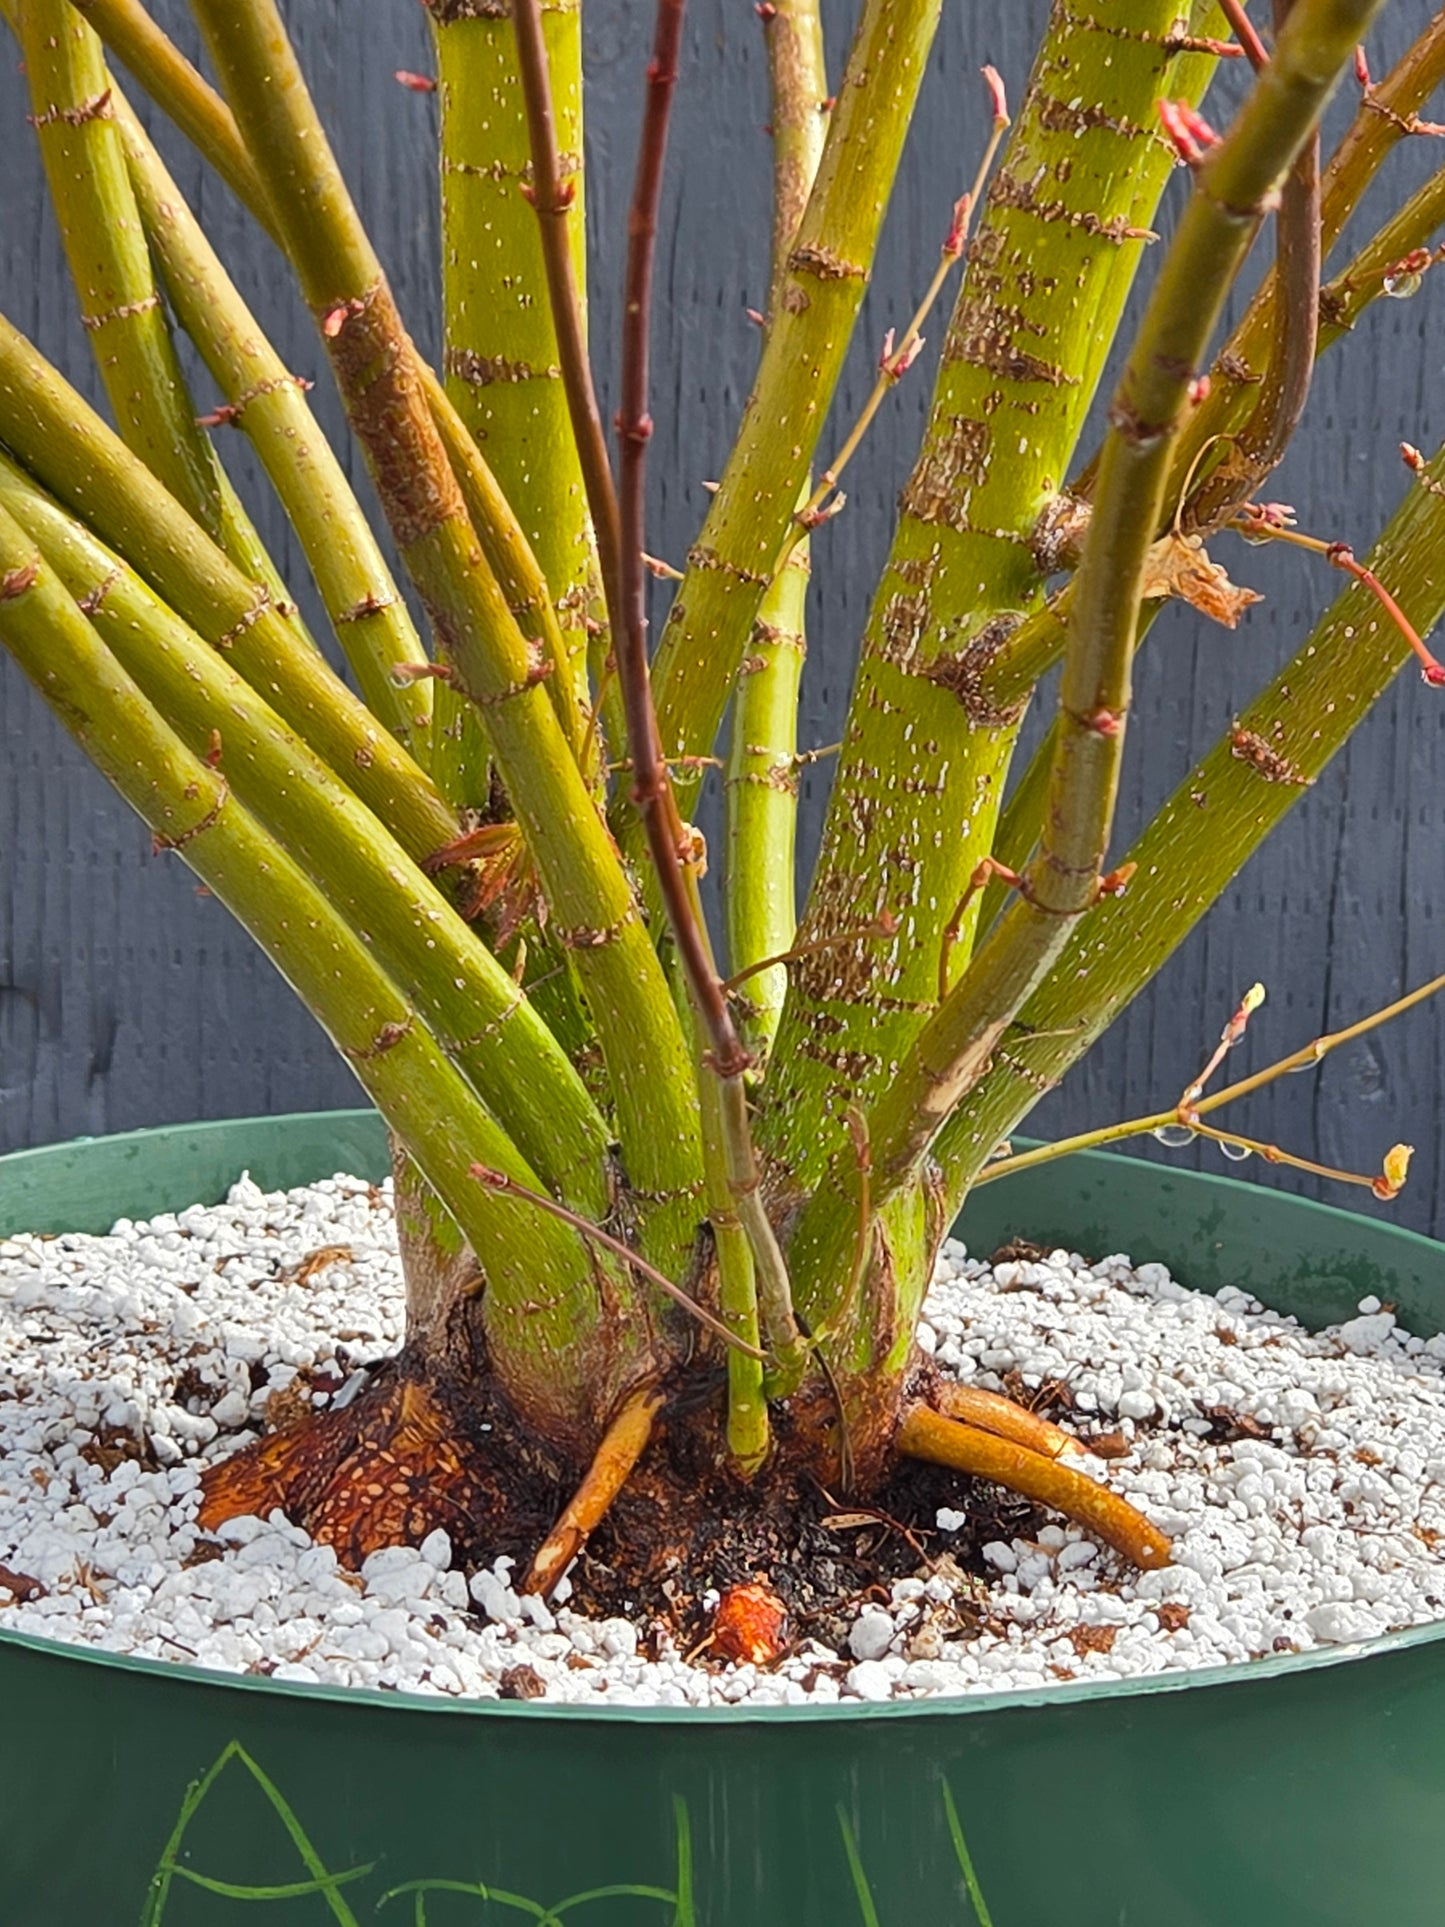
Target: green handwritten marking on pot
965, 1859
855, 1868
169, 1867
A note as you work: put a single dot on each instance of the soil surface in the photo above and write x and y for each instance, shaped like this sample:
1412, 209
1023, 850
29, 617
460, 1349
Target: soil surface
825, 1558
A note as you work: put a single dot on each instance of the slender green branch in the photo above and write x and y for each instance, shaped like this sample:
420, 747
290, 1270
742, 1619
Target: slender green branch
1239, 792
538, 1278
760, 788
263, 398
84, 464
1386, 261
469, 1002
748, 1430
593, 911
736, 555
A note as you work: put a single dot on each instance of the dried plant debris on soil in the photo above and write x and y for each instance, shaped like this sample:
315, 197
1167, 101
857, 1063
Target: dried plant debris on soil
1301, 1476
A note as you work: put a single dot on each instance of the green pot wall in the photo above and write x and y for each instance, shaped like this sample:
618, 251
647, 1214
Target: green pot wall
1307, 1791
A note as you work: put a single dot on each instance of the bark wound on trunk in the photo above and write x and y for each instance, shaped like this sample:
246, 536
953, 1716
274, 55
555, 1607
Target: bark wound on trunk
376, 368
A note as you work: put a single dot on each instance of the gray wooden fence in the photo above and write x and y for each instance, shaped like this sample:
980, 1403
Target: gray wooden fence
127, 999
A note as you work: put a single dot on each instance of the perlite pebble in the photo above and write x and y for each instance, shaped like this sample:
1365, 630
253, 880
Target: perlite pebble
1323, 1532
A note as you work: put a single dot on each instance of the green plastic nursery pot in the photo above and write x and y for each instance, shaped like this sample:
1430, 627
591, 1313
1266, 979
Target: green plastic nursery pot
1300, 1791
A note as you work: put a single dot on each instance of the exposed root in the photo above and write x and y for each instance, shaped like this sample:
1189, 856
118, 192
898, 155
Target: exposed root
384, 1472
622, 1446
926, 1434
992, 1412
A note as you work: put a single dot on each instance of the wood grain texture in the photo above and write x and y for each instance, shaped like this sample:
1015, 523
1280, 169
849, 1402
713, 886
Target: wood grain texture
126, 999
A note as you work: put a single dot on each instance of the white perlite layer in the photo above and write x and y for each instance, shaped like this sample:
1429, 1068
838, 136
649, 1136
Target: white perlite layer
1330, 1530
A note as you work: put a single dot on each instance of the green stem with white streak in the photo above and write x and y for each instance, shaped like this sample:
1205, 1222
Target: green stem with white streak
366, 608
748, 1429
469, 1002
542, 1297
65, 445
760, 785
593, 911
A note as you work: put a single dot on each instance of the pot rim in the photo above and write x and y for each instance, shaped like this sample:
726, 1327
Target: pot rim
949, 1706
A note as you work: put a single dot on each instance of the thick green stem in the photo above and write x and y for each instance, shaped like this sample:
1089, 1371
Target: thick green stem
263, 398
593, 911
66, 446
175, 86
469, 1002
736, 556
501, 359
925, 756
543, 1301
1217, 818
1231, 195
956, 1046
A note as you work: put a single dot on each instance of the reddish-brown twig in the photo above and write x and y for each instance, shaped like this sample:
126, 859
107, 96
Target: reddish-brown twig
554, 197
883, 925
1228, 1038
1244, 33
1271, 521
670, 843
499, 1181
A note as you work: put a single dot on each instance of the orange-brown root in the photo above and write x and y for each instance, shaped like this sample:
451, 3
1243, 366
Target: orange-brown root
384, 1473
926, 1434
622, 1446
992, 1412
